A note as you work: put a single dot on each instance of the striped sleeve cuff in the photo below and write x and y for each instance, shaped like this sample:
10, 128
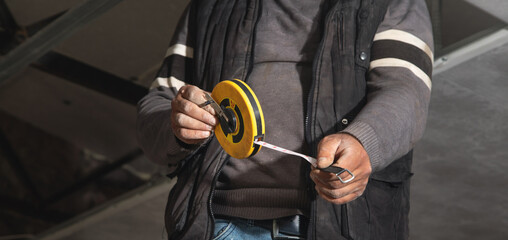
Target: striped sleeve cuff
397, 48
368, 138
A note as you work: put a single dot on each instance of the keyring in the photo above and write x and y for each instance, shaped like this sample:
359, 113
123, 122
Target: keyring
338, 171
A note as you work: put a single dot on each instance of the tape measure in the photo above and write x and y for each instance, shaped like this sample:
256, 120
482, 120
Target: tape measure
242, 125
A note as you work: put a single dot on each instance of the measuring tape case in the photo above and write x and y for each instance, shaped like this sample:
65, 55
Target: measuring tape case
246, 122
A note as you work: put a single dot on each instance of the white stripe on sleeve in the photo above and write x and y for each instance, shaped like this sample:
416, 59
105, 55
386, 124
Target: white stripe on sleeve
170, 82
180, 49
395, 62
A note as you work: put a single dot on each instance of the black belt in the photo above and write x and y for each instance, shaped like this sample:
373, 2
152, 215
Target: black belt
292, 227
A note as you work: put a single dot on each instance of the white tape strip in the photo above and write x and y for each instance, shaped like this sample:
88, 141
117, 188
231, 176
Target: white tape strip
311, 160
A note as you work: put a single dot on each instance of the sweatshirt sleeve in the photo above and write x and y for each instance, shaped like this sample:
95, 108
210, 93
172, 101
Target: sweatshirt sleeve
398, 84
154, 132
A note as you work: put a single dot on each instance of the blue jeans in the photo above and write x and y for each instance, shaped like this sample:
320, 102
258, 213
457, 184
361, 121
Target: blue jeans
239, 229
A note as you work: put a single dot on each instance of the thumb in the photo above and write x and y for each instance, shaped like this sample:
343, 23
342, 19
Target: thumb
327, 150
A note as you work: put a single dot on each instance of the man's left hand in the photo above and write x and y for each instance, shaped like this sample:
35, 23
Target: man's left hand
345, 151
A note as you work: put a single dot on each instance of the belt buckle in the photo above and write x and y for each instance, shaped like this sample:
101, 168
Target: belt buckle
276, 234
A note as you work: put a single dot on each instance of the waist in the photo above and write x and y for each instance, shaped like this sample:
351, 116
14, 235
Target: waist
290, 227
261, 203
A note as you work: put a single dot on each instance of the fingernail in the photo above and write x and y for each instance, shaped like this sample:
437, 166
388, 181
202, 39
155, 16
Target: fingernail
322, 159
212, 120
205, 134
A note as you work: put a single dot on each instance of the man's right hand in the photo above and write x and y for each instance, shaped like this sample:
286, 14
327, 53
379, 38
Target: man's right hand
190, 123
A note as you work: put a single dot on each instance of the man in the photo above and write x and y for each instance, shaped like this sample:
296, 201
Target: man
346, 81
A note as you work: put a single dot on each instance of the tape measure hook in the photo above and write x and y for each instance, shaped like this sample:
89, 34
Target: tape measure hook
227, 118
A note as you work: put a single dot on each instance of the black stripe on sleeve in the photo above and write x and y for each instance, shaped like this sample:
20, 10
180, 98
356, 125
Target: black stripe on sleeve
177, 66
403, 51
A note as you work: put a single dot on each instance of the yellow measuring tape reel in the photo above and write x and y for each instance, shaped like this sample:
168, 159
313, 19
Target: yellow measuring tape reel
244, 123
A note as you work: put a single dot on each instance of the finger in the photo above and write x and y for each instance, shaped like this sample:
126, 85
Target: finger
345, 176
197, 96
336, 193
320, 181
181, 120
331, 180
190, 136
192, 110
193, 94
345, 199
335, 184
330, 177
192, 142
327, 150
326, 178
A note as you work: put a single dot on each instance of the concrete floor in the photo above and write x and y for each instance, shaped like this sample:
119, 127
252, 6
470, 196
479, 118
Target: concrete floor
137, 215
459, 187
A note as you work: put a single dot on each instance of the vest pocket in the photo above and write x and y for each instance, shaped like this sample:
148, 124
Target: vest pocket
355, 219
388, 209
345, 35
340, 30
380, 213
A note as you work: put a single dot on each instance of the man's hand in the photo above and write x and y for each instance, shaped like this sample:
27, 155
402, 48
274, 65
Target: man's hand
191, 123
342, 150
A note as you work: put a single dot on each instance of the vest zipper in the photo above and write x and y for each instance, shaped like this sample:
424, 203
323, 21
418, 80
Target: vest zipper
311, 231
316, 70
